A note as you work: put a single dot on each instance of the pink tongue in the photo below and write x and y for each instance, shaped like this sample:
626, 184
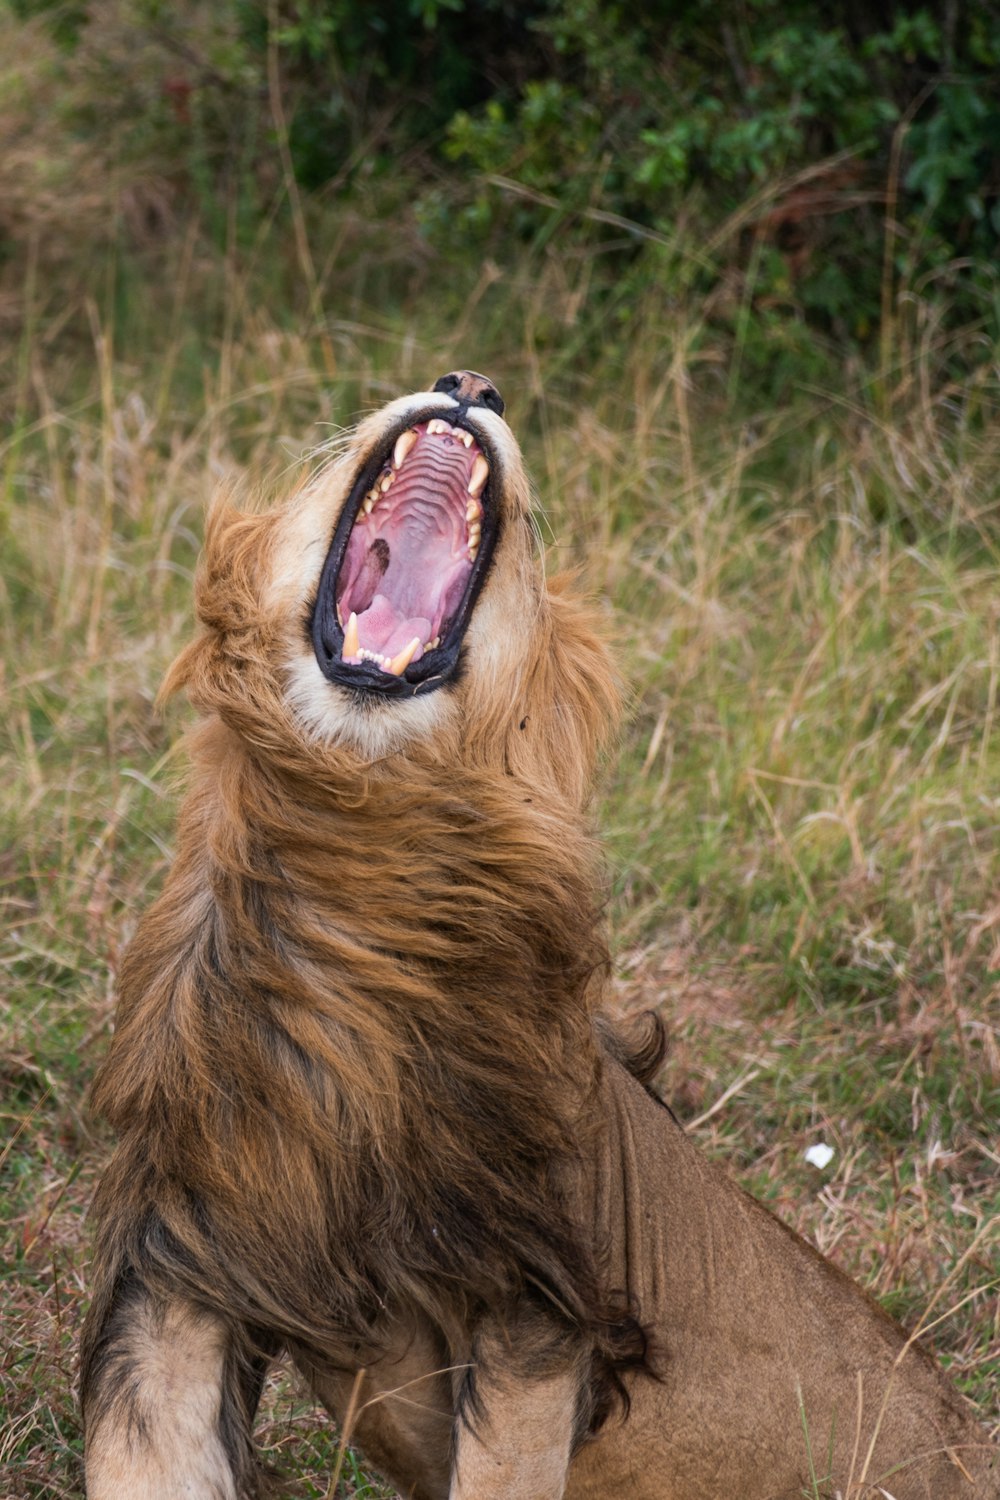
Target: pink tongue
382, 629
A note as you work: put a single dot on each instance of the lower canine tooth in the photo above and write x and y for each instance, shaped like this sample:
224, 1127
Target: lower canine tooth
399, 663
351, 637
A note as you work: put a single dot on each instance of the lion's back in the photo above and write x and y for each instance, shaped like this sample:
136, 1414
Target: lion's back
753, 1335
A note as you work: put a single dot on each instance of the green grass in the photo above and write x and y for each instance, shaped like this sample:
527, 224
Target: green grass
802, 822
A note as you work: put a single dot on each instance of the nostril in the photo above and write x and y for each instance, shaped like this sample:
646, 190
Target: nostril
471, 389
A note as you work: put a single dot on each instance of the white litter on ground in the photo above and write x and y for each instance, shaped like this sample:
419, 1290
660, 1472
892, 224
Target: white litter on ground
820, 1155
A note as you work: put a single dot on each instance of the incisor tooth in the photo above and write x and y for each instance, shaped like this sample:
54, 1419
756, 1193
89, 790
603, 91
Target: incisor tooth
385, 484
435, 425
473, 510
467, 438
473, 551
404, 443
399, 663
351, 637
479, 475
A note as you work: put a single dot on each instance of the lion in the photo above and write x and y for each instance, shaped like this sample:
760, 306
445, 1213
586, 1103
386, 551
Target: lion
369, 1113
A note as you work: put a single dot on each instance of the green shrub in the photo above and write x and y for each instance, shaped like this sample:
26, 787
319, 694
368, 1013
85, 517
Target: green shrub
793, 166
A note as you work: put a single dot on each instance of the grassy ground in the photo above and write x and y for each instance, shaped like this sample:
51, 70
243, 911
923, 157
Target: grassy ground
802, 825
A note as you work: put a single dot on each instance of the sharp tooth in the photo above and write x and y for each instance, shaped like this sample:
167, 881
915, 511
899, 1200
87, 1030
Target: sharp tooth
386, 484
468, 439
399, 663
479, 475
435, 426
351, 638
404, 443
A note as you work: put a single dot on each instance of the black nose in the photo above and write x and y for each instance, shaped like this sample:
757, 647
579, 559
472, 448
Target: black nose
470, 389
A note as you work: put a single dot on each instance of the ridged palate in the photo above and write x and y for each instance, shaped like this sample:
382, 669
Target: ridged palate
428, 471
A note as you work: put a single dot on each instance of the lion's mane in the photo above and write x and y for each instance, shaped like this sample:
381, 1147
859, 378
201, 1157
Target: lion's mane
354, 1046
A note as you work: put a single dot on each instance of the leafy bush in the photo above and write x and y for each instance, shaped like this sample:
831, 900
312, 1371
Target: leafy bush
686, 113
786, 162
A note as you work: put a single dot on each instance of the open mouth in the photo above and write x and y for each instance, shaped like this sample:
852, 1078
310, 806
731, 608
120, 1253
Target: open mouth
407, 560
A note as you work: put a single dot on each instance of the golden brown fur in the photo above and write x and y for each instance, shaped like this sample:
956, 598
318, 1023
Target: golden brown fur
363, 1111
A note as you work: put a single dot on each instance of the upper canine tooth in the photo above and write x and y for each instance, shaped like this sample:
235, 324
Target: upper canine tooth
479, 475
404, 443
399, 663
351, 637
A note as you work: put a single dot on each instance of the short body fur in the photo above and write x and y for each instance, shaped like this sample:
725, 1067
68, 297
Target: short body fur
365, 1116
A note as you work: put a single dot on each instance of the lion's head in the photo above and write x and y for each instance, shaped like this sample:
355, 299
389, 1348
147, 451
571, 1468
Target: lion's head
397, 602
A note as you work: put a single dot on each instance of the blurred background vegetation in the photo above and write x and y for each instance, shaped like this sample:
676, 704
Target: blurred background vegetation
733, 266
799, 168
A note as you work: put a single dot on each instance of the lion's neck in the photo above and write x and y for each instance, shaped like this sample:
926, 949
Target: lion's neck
406, 924
401, 974
431, 876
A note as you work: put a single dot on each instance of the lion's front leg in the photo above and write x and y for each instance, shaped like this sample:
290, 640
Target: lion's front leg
168, 1396
516, 1440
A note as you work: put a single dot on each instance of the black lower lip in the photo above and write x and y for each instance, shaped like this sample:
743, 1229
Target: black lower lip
437, 667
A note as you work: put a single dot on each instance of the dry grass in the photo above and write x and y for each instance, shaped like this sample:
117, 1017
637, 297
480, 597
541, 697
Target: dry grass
802, 827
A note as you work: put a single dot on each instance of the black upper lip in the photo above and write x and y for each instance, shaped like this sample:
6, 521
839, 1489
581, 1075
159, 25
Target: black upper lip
435, 667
